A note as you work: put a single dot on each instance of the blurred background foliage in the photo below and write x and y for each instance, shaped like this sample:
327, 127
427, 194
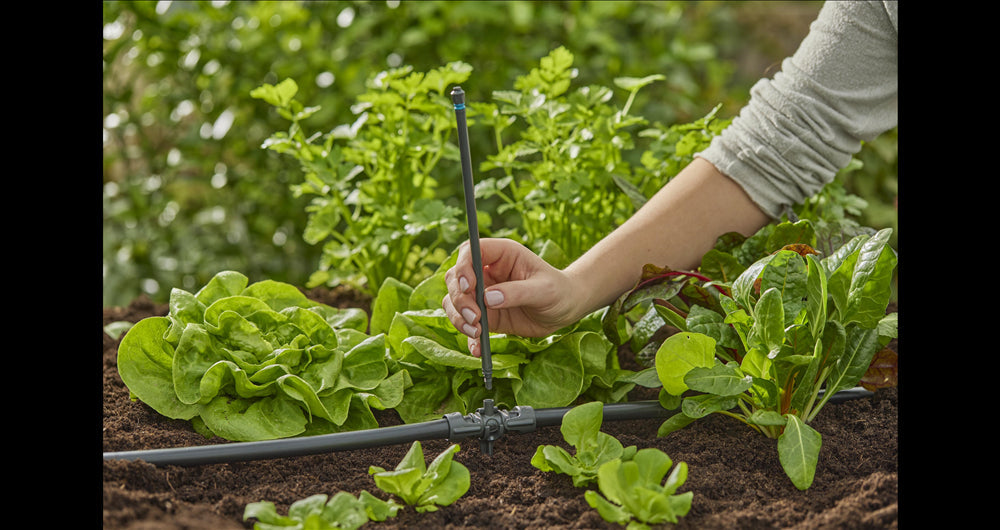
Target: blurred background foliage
188, 191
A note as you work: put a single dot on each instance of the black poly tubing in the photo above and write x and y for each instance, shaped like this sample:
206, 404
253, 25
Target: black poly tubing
397, 434
346, 441
287, 447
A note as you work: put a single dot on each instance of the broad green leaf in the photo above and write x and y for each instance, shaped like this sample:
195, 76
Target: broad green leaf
678, 354
850, 367
871, 283
421, 486
785, 233
798, 451
769, 325
250, 420
580, 424
713, 324
787, 272
393, 297
185, 307
553, 378
816, 296
145, 366
720, 380
702, 405
278, 295
743, 286
721, 266
224, 284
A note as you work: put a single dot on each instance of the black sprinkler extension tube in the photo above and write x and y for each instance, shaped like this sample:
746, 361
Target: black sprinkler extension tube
458, 99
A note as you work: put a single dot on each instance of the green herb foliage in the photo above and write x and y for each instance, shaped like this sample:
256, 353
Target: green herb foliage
565, 175
577, 362
791, 331
373, 184
635, 494
580, 428
260, 361
320, 512
425, 487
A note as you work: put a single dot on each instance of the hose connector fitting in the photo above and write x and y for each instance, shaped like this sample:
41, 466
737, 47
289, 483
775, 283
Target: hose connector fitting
489, 423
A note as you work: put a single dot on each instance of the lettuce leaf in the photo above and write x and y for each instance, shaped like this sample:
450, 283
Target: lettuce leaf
577, 362
257, 362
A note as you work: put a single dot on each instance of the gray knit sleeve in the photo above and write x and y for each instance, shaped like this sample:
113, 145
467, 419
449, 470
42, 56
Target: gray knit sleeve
801, 127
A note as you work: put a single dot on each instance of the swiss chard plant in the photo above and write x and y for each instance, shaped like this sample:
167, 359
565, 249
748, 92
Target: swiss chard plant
322, 512
377, 206
581, 428
259, 361
577, 362
782, 337
424, 487
565, 174
633, 492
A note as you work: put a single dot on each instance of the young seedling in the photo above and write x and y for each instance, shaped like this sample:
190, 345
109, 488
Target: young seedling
634, 493
320, 512
581, 428
421, 486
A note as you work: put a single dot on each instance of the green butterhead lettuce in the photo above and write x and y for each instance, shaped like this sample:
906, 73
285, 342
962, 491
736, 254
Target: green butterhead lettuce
261, 361
553, 371
342, 511
425, 487
580, 428
635, 494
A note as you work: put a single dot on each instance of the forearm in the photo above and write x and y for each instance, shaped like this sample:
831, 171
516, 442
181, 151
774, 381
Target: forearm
675, 228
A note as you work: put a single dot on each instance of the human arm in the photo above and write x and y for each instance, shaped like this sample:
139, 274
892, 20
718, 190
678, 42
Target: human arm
674, 228
796, 132
837, 90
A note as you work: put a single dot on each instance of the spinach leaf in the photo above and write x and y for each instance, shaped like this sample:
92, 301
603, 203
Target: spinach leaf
797, 329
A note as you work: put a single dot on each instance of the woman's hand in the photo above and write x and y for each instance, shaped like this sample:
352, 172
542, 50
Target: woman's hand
524, 295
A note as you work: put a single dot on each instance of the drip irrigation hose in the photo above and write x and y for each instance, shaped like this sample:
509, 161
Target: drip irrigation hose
488, 423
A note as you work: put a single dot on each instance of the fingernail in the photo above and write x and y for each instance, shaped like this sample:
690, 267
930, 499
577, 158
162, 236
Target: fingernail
470, 330
468, 315
473, 347
494, 298
463, 284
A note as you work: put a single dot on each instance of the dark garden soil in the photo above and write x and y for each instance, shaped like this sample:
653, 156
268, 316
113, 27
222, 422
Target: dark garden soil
734, 473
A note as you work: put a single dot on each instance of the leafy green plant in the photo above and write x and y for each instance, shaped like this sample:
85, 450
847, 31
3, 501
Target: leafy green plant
320, 512
565, 175
580, 428
671, 147
373, 183
635, 494
425, 487
574, 363
259, 361
792, 330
